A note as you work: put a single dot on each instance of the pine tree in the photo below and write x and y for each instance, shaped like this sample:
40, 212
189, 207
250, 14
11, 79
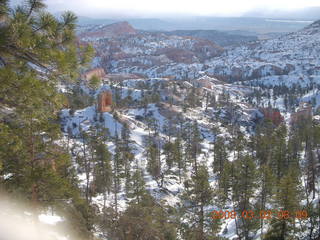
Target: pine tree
103, 170
117, 168
86, 161
37, 52
94, 82
178, 155
238, 142
145, 220
192, 98
220, 155
154, 166
186, 137
168, 150
224, 182
126, 152
278, 159
244, 180
263, 142
198, 195
195, 144
266, 181
287, 198
137, 187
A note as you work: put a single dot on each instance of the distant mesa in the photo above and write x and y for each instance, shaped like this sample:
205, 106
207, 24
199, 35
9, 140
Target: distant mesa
120, 28
110, 31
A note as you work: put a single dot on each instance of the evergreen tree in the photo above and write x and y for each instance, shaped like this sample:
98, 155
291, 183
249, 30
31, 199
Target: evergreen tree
37, 52
196, 140
86, 161
126, 152
266, 181
168, 150
137, 187
145, 220
154, 166
103, 171
279, 159
94, 82
198, 196
178, 155
244, 180
117, 168
224, 182
186, 137
220, 155
287, 199
192, 97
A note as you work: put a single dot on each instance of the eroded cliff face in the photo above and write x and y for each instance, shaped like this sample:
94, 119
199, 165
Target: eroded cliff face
98, 72
127, 50
278, 59
160, 55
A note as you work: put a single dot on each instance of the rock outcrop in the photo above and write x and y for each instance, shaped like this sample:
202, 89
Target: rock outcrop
98, 72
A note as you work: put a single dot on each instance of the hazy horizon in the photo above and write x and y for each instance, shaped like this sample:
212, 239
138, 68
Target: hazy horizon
179, 9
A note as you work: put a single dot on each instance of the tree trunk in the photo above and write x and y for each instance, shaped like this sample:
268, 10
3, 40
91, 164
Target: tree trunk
115, 188
201, 222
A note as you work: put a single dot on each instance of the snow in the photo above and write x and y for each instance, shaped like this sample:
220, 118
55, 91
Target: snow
289, 60
50, 219
83, 119
170, 193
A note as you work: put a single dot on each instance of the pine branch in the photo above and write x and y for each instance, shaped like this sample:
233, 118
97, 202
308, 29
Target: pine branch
4, 8
3, 61
25, 56
40, 28
30, 11
35, 5
45, 20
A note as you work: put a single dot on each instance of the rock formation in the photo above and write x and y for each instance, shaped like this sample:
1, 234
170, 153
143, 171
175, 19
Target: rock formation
105, 101
98, 72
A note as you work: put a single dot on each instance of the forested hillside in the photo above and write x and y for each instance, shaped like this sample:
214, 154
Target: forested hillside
127, 156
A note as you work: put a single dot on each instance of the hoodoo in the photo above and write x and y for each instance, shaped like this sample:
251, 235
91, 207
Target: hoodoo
105, 101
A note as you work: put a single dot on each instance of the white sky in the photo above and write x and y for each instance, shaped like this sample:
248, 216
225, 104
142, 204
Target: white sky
151, 8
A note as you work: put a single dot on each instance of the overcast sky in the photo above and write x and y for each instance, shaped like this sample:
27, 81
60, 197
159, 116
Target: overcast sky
150, 8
